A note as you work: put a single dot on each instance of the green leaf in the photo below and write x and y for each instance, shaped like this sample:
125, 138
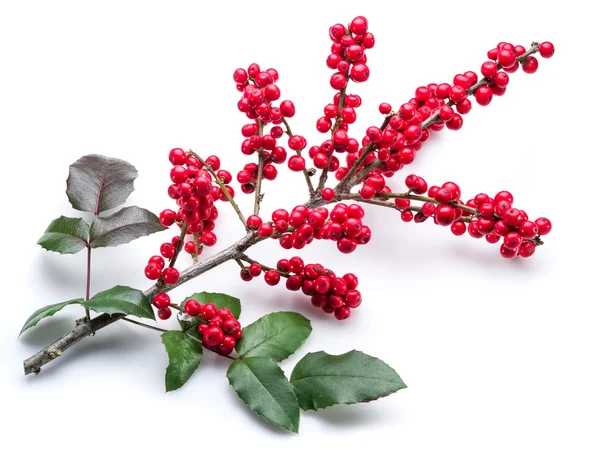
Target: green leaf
261, 384
185, 355
276, 336
321, 380
97, 183
46, 311
121, 300
123, 226
220, 301
65, 235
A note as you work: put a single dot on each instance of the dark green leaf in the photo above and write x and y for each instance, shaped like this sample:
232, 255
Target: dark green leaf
185, 355
65, 235
220, 301
97, 183
44, 312
321, 380
262, 385
121, 300
123, 226
276, 336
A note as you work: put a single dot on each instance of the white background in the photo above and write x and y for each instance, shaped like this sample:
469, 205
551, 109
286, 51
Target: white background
497, 354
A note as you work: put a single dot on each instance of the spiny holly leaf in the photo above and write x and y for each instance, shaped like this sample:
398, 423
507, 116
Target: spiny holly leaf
276, 336
321, 380
121, 300
185, 355
65, 235
46, 311
97, 183
261, 384
220, 301
123, 226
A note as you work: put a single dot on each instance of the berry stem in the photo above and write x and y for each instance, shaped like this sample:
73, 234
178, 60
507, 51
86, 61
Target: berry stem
179, 244
162, 330
222, 186
261, 164
336, 125
288, 131
265, 268
195, 253
349, 179
407, 195
135, 322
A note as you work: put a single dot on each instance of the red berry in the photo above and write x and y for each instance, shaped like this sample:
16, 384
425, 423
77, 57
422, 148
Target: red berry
296, 163
253, 222
338, 81
507, 252
526, 249
530, 65
513, 217
546, 49
216, 321
167, 250
192, 307
504, 195
352, 298
455, 123
359, 73
457, 93
445, 215
213, 337
265, 230
161, 300
208, 311
230, 325
347, 245
489, 69
406, 216
506, 58
209, 238
359, 25
484, 95
528, 229
164, 313
328, 194
225, 313
167, 217
158, 260
190, 247
272, 277
170, 275
177, 157
512, 240
152, 271
322, 284
544, 226
458, 228
341, 313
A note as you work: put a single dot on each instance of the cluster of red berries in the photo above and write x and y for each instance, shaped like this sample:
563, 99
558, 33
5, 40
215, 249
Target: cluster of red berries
218, 327
259, 91
302, 225
195, 192
334, 295
348, 57
494, 218
403, 134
